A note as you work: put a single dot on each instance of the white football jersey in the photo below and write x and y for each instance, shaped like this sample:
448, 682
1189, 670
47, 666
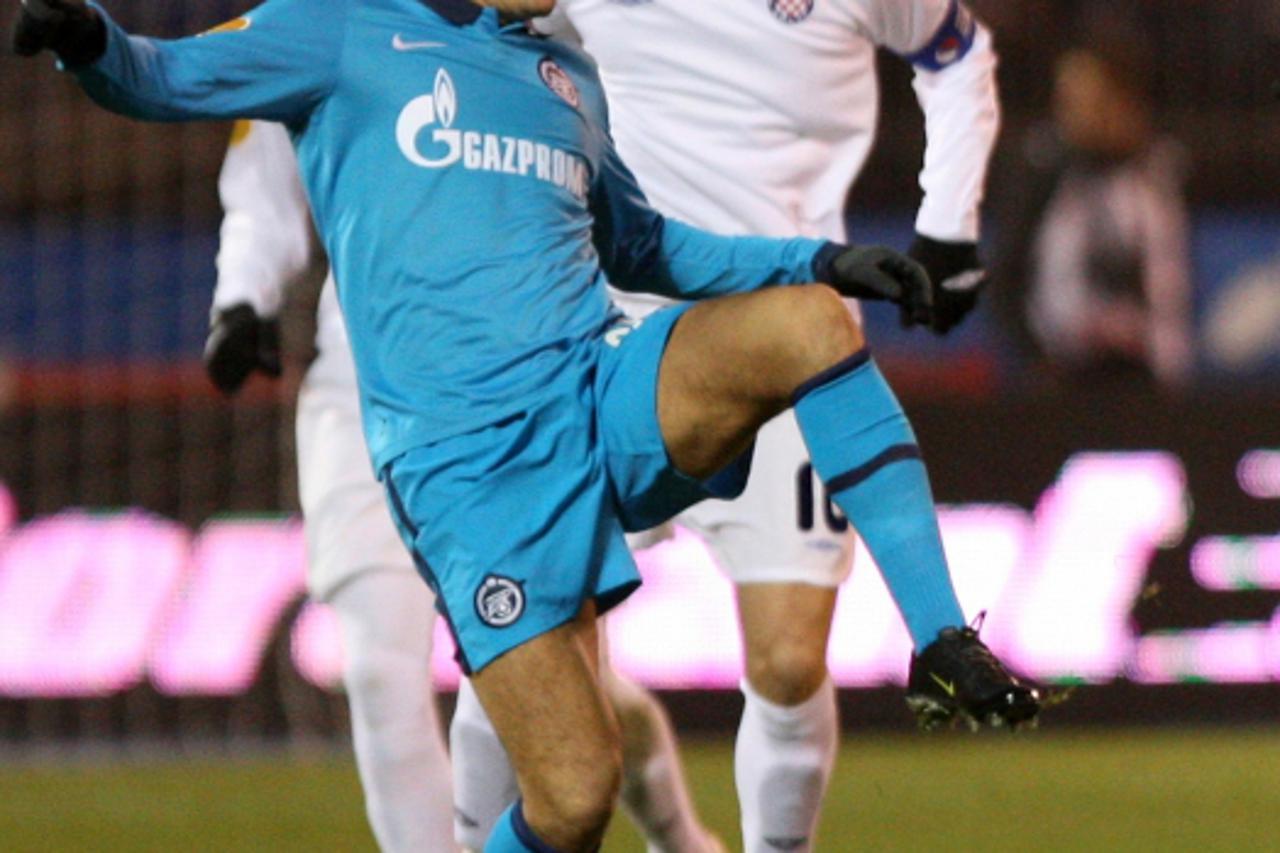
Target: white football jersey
755, 116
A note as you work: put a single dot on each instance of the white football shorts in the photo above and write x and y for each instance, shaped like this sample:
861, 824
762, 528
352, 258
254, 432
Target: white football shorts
783, 528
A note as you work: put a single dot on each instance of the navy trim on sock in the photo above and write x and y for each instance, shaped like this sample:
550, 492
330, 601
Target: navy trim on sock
525, 834
854, 476
832, 373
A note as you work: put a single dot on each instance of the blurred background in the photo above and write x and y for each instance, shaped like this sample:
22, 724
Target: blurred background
1111, 490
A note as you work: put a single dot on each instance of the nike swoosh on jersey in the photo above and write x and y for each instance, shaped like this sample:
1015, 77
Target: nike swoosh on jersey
400, 44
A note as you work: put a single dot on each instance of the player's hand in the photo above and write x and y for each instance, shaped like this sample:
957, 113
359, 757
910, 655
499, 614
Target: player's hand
957, 275
67, 27
878, 272
239, 343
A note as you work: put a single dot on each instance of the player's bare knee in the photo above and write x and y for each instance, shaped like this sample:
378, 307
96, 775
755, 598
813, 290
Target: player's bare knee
787, 673
370, 678
586, 804
821, 326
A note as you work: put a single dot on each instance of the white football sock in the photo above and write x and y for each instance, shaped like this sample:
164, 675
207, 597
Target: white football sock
483, 781
782, 762
386, 619
654, 792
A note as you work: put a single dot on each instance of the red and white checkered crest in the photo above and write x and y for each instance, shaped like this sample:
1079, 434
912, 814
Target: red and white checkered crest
791, 11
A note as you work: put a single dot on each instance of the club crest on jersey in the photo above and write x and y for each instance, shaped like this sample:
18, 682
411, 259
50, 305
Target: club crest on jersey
559, 82
791, 11
499, 601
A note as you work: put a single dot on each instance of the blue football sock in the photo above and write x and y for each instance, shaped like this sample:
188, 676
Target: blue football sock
865, 452
512, 835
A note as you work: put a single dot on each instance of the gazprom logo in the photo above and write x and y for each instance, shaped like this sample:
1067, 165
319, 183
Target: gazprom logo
446, 98
424, 111
478, 151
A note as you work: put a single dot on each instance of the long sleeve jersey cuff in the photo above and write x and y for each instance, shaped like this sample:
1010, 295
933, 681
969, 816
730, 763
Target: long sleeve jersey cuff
699, 265
823, 260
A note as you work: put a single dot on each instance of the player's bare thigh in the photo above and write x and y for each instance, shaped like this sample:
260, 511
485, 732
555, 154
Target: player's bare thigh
733, 362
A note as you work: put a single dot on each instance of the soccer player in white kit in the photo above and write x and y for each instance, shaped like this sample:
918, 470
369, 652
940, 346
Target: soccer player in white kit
357, 561
754, 117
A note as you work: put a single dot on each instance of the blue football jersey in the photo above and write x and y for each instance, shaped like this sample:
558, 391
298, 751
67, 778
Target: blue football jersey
464, 184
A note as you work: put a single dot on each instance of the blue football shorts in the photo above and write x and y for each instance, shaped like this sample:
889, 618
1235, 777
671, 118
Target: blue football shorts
517, 524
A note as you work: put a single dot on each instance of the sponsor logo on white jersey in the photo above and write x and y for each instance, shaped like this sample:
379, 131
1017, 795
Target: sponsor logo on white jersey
479, 151
791, 11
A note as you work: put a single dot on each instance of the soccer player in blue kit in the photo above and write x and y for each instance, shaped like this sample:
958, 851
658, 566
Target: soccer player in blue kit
464, 184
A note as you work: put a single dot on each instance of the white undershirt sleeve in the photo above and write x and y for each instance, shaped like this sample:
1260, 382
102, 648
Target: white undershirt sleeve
266, 237
955, 83
961, 106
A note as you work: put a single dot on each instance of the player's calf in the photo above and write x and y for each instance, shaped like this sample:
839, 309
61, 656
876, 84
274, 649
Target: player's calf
547, 707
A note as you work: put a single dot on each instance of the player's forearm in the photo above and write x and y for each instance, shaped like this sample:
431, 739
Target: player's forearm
962, 119
694, 264
267, 68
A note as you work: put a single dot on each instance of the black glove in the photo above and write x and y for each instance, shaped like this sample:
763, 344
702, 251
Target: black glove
957, 275
239, 343
67, 27
877, 272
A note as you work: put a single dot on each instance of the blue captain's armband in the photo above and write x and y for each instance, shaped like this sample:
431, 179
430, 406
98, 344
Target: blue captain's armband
952, 41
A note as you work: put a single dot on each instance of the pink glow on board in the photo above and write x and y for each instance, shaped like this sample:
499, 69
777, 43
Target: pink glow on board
679, 629
1228, 653
1229, 563
82, 598
1095, 532
318, 657
244, 573
316, 646
1258, 474
8, 511
89, 602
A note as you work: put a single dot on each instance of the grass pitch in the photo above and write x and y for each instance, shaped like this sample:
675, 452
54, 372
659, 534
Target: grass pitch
1149, 790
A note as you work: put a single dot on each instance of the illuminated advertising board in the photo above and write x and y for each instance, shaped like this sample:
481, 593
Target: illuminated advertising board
95, 603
